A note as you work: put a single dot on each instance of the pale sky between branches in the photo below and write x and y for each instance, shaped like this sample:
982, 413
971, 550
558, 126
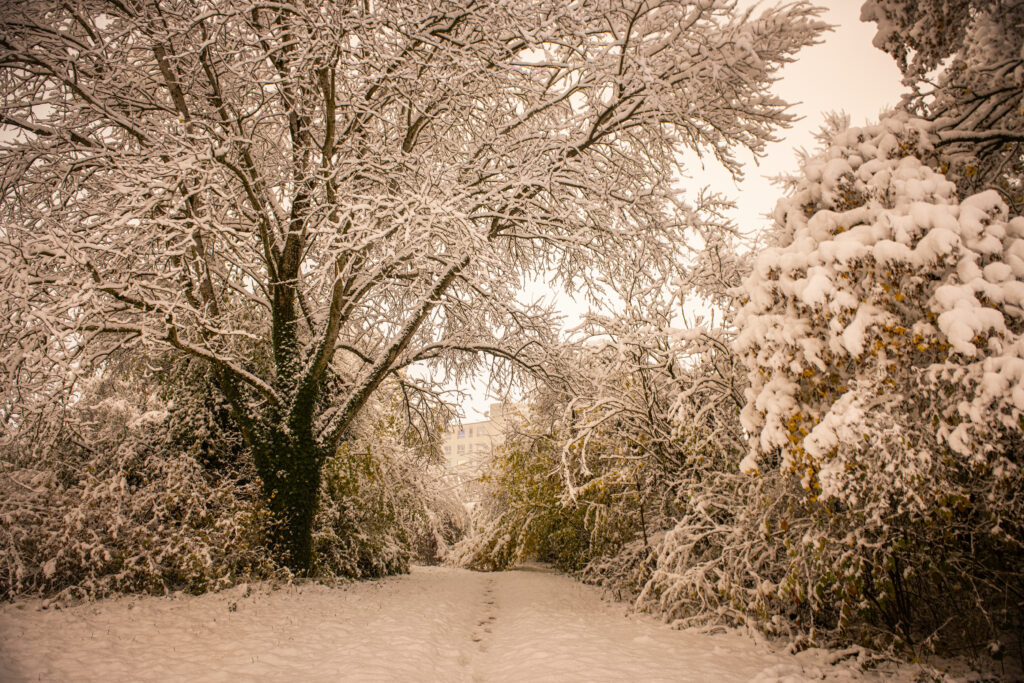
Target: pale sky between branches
845, 72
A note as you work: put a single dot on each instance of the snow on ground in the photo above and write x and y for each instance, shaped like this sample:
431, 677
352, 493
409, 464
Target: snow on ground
436, 624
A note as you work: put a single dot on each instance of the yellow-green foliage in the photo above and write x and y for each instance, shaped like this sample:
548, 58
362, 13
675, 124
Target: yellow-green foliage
359, 532
382, 506
530, 514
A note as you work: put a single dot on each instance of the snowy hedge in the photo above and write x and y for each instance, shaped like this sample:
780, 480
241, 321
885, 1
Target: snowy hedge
107, 500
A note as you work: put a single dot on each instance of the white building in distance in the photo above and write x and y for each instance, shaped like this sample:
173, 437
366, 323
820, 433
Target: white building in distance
471, 444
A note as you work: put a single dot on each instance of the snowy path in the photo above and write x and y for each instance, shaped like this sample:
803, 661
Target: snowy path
437, 624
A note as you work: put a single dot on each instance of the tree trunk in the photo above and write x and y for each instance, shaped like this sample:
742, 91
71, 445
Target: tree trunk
289, 468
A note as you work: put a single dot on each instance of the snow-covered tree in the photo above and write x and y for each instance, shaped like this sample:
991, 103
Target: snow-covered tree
610, 472
884, 330
964, 62
311, 197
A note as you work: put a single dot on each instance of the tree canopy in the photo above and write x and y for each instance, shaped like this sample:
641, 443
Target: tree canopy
312, 197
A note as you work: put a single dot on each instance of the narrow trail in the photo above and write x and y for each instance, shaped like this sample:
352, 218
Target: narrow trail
436, 624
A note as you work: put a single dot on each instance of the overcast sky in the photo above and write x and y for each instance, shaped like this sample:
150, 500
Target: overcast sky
845, 72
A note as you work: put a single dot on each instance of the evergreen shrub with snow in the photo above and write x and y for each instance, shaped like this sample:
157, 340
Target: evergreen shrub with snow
883, 331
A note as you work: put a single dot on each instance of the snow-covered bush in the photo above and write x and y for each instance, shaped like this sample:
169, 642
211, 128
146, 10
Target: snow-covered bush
523, 514
383, 505
141, 483
725, 558
106, 501
665, 382
884, 331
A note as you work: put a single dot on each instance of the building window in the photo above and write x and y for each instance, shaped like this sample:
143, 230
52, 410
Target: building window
462, 433
462, 449
447, 450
